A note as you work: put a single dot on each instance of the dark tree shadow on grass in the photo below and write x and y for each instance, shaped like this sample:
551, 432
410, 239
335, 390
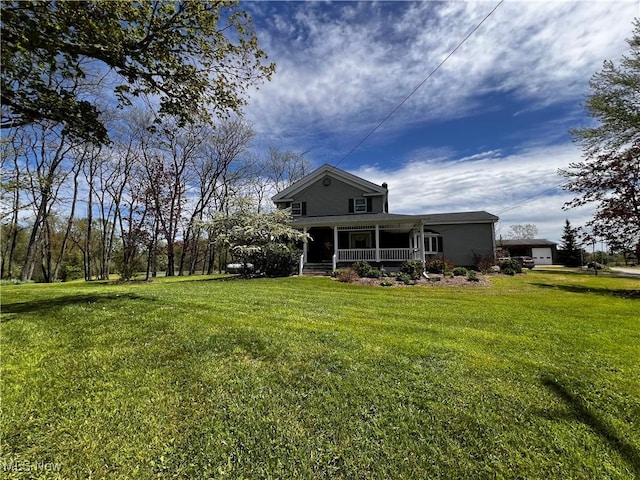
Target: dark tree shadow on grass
607, 292
46, 305
581, 412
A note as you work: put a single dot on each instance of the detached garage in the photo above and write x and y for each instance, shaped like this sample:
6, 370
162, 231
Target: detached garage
542, 251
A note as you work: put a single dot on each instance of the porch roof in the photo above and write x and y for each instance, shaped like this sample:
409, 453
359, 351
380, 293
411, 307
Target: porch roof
393, 218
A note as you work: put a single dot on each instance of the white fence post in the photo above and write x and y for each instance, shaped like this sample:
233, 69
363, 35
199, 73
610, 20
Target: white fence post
301, 265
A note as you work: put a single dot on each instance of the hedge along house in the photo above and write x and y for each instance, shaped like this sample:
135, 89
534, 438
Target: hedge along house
348, 220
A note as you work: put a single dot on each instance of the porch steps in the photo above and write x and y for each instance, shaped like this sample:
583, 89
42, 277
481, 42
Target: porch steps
317, 269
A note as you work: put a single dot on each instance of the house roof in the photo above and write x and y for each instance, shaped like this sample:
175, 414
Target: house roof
526, 242
327, 170
392, 218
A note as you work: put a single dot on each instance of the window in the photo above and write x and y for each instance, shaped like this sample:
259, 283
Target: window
360, 205
432, 243
298, 208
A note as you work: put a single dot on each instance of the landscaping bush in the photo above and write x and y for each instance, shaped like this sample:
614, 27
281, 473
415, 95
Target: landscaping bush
510, 264
438, 265
277, 260
510, 271
346, 275
459, 272
405, 278
373, 273
472, 277
362, 268
412, 268
386, 283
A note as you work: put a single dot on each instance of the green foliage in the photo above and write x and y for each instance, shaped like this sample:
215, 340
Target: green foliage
267, 240
194, 57
510, 267
608, 175
373, 273
570, 252
362, 268
438, 265
386, 283
459, 272
472, 276
309, 378
405, 278
412, 268
277, 260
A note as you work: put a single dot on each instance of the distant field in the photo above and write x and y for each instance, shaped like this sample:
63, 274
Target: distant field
535, 376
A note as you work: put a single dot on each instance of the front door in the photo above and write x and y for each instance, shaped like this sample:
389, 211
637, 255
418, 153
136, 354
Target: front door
320, 249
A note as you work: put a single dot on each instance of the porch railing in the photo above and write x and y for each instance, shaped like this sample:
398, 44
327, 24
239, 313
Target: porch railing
369, 254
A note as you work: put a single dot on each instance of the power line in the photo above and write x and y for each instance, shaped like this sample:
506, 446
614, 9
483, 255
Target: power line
526, 200
404, 100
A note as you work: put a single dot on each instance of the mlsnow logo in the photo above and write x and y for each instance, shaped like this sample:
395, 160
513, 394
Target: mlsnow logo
36, 466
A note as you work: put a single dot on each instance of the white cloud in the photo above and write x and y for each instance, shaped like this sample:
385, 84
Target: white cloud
520, 188
345, 71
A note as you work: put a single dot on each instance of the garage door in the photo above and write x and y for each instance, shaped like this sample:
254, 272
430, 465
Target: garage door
542, 256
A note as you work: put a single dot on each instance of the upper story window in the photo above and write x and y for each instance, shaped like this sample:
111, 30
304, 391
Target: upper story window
360, 205
298, 208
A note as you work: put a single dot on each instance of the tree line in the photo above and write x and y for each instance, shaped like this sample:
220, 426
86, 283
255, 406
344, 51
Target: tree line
123, 139
143, 202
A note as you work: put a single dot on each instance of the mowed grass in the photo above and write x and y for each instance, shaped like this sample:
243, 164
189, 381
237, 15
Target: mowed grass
532, 377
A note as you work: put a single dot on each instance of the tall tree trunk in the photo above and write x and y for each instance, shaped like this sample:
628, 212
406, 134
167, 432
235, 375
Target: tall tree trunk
29, 261
65, 239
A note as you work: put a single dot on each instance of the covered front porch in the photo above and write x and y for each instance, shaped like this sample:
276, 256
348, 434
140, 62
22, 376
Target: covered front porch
378, 243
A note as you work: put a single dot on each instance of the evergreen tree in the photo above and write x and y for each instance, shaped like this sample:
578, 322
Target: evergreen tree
570, 250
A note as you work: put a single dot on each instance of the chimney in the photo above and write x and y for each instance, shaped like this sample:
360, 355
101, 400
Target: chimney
386, 197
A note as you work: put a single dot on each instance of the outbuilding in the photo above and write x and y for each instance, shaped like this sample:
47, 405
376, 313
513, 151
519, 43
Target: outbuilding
542, 251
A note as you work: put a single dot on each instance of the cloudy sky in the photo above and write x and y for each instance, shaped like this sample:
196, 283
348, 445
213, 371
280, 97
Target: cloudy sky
487, 131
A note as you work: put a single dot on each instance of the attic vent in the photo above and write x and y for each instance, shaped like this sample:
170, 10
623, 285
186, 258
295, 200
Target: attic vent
326, 182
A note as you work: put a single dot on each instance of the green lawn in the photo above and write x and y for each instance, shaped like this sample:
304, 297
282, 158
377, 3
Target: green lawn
535, 376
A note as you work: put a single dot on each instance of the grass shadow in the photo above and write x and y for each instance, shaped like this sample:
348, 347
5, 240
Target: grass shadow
607, 292
581, 412
46, 305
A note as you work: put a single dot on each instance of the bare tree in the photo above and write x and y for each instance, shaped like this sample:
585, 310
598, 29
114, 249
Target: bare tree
522, 232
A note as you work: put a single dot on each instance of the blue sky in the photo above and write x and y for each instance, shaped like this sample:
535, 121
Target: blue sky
488, 131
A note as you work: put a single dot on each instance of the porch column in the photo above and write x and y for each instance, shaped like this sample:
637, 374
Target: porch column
335, 244
377, 243
422, 243
304, 245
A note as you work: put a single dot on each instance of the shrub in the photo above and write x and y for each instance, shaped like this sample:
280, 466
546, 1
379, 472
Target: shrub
405, 278
438, 265
386, 283
373, 273
277, 260
346, 275
509, 271
459, 272
510, 264
362, 268
412, 268
472, 277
